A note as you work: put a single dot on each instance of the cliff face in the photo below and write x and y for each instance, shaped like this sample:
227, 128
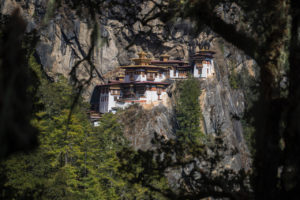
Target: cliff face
65, 39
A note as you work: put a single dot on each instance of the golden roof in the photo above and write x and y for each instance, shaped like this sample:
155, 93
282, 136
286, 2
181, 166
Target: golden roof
142, 59
139, 66
164, 55
142, 54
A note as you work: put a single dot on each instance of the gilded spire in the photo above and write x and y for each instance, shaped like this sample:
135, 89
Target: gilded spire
164, 57
142, 54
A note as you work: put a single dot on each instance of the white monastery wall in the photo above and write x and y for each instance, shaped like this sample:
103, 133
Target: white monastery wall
151, 96
103, 102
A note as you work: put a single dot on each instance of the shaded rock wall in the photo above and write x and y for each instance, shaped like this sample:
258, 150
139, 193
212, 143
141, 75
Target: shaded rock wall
141, 125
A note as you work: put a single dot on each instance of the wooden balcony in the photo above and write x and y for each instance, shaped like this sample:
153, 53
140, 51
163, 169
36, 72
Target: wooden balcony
150, 79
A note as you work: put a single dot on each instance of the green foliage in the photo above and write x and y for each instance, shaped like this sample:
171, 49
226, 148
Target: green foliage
221, 46
249, 131
188, 112
233, 80
74, 160
144, 172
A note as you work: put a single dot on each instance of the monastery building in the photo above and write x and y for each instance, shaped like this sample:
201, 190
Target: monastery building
146, 80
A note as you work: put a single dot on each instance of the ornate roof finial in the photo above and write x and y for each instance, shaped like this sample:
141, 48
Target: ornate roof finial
142, 54
164, 57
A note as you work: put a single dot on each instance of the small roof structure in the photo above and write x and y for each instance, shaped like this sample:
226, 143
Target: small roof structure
203, 54
142, 62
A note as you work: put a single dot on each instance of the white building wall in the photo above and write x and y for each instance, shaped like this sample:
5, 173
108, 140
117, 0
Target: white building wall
103, 103
160, 79
108, 103
176, 74
207, 70
196, 72
151, 96
172, 75
111, 102
137, 77
143, 78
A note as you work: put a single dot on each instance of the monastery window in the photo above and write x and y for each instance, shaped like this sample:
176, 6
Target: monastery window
150, 76
207, 71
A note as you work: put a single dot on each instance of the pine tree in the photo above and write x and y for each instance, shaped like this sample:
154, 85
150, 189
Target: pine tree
188, 112
74, 160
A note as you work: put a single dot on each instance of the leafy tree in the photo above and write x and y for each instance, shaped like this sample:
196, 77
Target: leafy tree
74, 160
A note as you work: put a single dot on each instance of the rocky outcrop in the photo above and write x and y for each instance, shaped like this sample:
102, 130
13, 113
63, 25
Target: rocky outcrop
141, 125
65, 38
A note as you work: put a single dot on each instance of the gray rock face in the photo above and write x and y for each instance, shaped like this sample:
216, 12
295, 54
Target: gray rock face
66, 39
141, 125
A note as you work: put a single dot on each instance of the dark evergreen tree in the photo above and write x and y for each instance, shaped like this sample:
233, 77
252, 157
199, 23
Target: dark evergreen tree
188, 112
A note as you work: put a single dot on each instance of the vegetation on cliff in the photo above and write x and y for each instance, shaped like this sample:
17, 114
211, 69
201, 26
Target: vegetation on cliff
74, 160
188, 112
